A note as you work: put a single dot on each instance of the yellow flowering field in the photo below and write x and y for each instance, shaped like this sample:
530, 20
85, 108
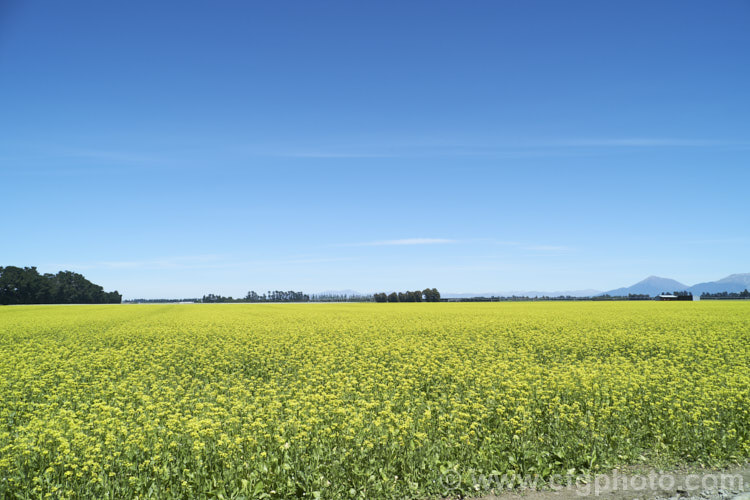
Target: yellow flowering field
361, 400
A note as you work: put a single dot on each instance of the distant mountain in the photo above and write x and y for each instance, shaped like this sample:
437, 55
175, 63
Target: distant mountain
653, 285
732, 283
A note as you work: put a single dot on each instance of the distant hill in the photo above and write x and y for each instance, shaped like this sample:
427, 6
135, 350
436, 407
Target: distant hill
653, 285
732, 283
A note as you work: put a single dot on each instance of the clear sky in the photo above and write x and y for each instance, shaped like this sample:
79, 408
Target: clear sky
176, 149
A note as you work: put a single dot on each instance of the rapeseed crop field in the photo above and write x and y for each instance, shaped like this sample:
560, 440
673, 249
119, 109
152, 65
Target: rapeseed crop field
361, 400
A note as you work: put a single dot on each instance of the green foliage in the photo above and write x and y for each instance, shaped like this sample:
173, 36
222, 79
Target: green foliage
26, 286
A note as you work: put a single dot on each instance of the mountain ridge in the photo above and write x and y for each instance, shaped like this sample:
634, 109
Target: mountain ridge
652, 285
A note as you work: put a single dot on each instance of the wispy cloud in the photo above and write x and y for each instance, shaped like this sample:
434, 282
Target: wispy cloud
535, 247
75, 162
405, 241
179, 262
643, 142
716, 241
332, 154
477, 241
109, 160
313, 261
456, 147
195, 262
547, 248
110, 156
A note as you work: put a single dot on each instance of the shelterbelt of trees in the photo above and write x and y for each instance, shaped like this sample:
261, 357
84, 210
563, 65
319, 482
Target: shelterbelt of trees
426, 295
24, 285
744, 294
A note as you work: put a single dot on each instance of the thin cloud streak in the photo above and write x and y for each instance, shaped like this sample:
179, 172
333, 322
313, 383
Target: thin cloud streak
524, 149
535, 247
548, 248
179, 262
110, 156
332, 155
645, 142
446, 241
194, 262
404, 242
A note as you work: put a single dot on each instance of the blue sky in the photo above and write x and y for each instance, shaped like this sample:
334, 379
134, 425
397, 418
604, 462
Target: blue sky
193, 147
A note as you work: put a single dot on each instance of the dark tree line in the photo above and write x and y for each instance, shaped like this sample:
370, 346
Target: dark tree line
24, 285
159, 301
270, 296
213, 298
289, 296
277, 296
426, 295
548, 298
744, 294
339, 297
